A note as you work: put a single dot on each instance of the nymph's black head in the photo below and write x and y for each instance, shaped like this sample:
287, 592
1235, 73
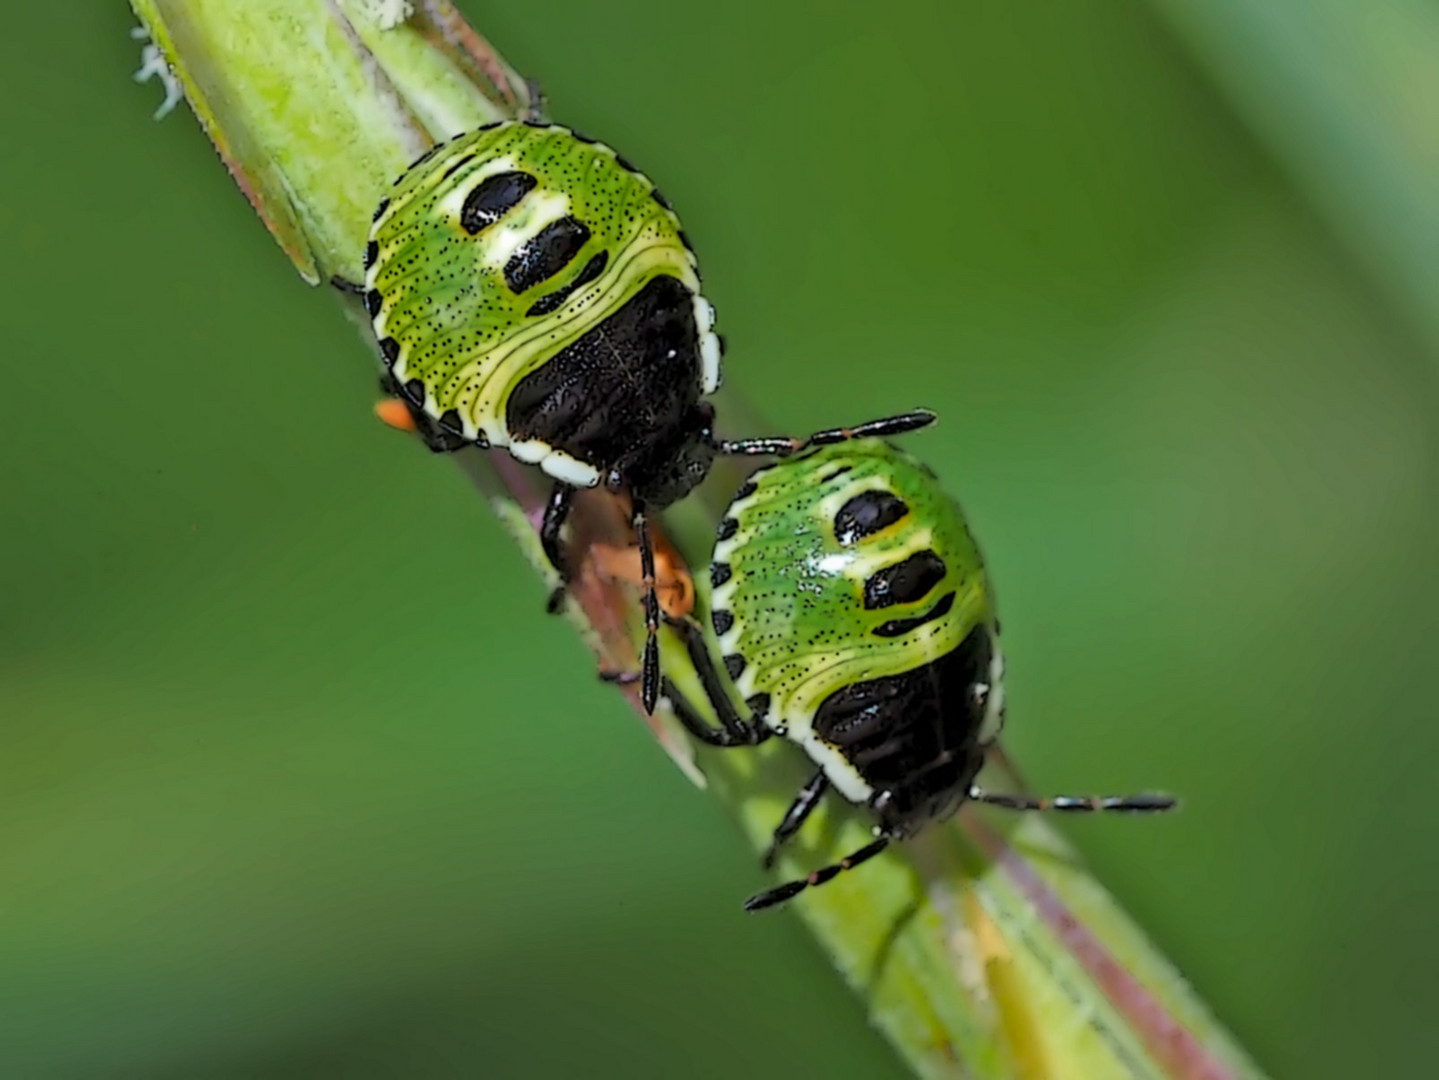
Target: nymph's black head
673, 466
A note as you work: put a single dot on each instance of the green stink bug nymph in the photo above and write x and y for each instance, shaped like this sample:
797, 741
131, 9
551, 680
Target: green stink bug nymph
529, 289
854, 617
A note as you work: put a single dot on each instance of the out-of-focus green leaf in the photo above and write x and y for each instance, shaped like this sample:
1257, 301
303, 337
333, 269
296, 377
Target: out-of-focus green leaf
1346, 95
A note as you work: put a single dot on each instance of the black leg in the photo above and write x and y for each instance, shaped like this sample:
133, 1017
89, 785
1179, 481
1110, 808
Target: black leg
556, 513
790, 889
650, 665
781, 446
1123, 804
805, 802
697, 726
716, 690
347, 286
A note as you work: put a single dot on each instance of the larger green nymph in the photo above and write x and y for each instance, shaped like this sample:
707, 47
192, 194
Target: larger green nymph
530, 289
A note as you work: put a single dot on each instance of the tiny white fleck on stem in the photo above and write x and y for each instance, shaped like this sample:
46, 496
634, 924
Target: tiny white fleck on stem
387, 14
153, 66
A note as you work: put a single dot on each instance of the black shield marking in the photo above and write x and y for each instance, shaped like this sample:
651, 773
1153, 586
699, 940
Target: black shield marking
493, 198
914, 737
626, 389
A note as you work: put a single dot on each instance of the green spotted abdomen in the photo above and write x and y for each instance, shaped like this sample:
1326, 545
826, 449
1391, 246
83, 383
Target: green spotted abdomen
520, 246
846, 566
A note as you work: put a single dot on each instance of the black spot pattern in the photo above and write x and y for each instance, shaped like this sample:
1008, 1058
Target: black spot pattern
390, 350
544, 255
493, 198
728, 526
866, 514
735, 664
723, 621
373, 300
720, 572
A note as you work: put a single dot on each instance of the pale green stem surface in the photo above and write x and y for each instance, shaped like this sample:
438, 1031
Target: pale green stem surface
979, 952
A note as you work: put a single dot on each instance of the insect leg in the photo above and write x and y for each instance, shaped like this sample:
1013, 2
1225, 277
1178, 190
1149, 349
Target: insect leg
780, 893
1124, 804
699, 727
557, 510
807, 799
650, 665
782, 446
740, 730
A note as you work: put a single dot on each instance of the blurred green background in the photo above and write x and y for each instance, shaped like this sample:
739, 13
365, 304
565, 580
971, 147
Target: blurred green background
269, 809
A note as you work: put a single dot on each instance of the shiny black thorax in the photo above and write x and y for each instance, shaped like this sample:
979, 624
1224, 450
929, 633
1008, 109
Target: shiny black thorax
625, 397
914, 737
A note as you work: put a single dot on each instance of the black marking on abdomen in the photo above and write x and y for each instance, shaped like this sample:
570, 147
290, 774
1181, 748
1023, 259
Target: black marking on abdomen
727, 527
914, 737
373, 301
735, 664
758, 706
627, 388
380, 210
866, 514
457, 166
431, 152
719, 573
390, 350
415, 391
657, 197
593, 269
899, 627
493, 198
450, 423
544, 255
905, 582
372, 252
723, 620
